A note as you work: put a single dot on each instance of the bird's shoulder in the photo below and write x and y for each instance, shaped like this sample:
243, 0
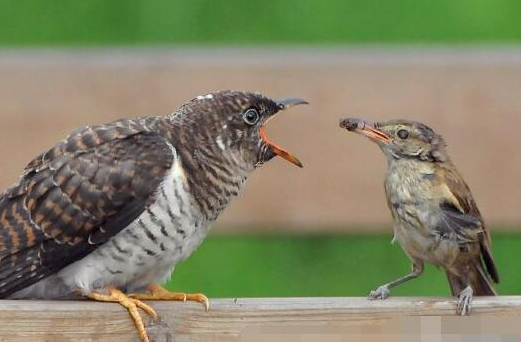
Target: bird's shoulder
95, 164
454, 191
89, 137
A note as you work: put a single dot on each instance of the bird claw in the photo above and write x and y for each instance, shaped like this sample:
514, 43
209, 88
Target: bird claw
464, 302
131, 304
201, 298
382, 292
157, 292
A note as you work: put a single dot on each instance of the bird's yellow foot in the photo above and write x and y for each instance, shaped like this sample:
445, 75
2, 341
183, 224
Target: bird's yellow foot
156, 292
132, 305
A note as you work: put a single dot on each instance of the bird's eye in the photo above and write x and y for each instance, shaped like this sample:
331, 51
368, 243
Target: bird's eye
251, 116
403, 134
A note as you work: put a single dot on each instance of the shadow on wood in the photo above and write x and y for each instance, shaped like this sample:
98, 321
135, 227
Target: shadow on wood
284, 319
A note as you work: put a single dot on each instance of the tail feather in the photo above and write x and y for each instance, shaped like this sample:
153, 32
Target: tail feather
481, 282
456, 283
489, 262
478, 280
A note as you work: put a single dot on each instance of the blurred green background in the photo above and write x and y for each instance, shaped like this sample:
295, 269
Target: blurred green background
323, 265
107, 22
286, 265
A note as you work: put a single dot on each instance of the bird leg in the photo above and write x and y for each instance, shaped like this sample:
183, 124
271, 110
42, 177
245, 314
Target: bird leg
382, 292
465, 301
157, 292
131, 304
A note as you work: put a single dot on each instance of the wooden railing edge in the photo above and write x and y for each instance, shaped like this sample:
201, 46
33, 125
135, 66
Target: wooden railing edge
233, 318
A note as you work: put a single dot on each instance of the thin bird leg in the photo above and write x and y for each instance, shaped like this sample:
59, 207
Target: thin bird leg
382, 292
465, 301
157, 292
131, 304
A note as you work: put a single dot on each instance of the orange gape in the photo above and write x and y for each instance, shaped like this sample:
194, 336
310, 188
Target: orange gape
277, 149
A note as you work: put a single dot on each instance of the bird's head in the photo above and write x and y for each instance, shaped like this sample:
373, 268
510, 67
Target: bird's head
234, 122
401, 139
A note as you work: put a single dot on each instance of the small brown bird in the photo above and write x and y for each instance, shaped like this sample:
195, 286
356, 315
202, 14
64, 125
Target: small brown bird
113, 208
435, 217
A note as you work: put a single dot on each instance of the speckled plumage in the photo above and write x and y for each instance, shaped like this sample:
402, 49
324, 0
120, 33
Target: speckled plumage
121, 204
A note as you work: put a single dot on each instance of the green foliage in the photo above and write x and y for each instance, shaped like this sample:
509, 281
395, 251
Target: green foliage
251, 266
89, 22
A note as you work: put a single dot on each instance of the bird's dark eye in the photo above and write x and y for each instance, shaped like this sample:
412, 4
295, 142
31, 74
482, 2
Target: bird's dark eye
403, 134
251, 116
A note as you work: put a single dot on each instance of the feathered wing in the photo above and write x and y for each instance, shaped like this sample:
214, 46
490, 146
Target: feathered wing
460, 217
75, 197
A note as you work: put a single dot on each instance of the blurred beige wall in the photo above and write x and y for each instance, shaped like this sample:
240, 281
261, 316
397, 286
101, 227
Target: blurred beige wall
473, 97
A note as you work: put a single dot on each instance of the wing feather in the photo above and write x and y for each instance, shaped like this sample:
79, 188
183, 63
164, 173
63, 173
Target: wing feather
461, 217
75, 197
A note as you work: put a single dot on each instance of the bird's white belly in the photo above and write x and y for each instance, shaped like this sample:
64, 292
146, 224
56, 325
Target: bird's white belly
419, 245
136, 261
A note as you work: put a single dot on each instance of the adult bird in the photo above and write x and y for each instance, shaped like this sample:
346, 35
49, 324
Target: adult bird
436, 219
113, 208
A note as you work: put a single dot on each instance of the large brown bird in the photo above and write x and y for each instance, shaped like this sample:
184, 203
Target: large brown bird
435, 216
113, 208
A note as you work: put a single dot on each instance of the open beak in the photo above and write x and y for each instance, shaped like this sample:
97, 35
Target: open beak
283, 104
366, 128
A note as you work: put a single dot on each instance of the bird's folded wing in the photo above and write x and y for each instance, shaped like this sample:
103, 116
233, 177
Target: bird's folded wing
456, 225
75, 197
459, 213
461, 217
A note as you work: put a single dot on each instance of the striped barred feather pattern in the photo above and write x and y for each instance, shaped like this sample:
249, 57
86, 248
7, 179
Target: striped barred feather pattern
76, 196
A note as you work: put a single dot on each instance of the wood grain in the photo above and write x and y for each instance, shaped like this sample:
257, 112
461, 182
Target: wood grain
257, 319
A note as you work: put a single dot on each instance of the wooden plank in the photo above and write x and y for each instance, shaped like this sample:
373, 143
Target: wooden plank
257, 319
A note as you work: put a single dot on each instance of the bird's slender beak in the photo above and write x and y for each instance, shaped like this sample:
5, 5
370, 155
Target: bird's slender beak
283, 104
366, 128
290, 102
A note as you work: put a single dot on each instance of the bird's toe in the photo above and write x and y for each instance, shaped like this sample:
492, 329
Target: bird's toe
381, 292
464, 302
